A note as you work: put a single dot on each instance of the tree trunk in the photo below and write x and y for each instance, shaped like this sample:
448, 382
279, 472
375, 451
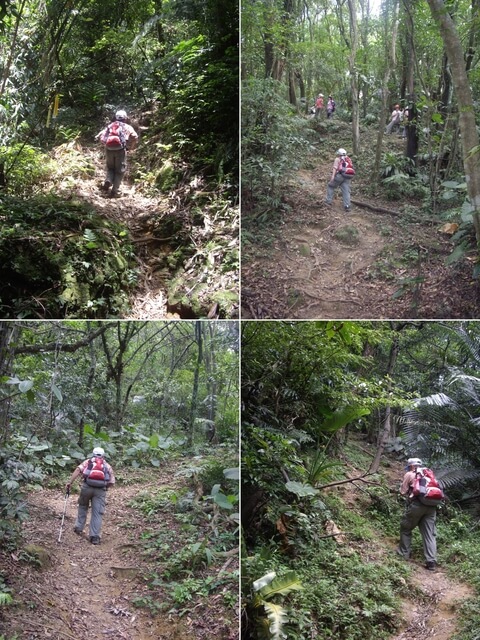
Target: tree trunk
390, 58
352, 7
387, 427
468, 129
194, 401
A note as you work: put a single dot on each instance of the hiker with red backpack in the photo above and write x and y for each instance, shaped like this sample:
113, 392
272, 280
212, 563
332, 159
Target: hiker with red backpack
97, 477
342, 173
115, 137
424, 495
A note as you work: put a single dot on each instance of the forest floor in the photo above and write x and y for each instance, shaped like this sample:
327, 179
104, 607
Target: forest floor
321, 262
150, 219
84, 590
431, 610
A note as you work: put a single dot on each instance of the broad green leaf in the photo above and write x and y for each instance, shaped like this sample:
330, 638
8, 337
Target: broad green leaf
154, 462
300, 489
232, 474
281, 585
341, 417
264, 581
153, 441
222, 501
25, 385
57, 392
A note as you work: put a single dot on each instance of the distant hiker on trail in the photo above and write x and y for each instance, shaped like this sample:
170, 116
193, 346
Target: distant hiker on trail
330, 107
342, 173
97, 477
423, 495
115, 138
394, 119
319, 106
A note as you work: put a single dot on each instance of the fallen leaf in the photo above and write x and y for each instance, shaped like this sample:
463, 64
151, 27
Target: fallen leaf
449, 227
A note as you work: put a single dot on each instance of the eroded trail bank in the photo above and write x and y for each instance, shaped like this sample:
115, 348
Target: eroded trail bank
74, 589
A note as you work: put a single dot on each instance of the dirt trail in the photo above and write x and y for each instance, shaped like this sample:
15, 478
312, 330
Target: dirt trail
325, 263
86, 590
140, 214
438, 618
433, 614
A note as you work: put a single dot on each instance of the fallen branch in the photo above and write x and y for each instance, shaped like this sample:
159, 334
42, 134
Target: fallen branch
366, 205
353, 480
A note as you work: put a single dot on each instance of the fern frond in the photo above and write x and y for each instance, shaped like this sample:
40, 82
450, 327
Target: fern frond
277, 617
282, 585
5, 598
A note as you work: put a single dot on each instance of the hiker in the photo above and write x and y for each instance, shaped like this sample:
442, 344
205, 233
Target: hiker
417, 515
115, 137
330, 107
342, 172
319, 106
97, 477
394, 119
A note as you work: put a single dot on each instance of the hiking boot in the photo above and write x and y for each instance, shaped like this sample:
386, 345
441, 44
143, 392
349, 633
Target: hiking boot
114, 194
94, 539
106, 185
431, 566
347, 209
77, 531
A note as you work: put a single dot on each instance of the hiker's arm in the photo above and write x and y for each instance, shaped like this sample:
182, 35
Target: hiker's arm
73, 477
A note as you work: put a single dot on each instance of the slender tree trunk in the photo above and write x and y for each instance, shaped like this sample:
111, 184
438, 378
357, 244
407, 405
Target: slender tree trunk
468, 129
352, 7
194, 401
391, 32
8, 64
387, 427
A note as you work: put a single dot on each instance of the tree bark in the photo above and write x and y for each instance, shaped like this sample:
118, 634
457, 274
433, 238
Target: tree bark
470, 141
194, 401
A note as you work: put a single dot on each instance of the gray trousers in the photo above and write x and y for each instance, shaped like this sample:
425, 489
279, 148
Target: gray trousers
423, 517
116, 167
97, 496
344, 184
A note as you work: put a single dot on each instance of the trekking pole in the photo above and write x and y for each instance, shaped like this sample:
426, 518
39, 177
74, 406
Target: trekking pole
63, 517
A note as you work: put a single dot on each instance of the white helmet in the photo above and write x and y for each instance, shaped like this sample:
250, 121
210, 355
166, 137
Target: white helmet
341, 152
414, 462
121, 115
98, 451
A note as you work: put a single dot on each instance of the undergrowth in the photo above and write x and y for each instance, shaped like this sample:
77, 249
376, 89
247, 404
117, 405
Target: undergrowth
60, 259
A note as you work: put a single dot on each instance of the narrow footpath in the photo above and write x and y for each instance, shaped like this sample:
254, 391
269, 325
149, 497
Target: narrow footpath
87, 591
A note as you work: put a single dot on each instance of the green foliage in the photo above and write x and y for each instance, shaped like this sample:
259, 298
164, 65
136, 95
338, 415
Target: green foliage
73, 262
15, 477
274, 140
25, 167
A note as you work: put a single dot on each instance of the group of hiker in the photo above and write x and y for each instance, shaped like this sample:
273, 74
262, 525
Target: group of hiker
342, 170
319, 106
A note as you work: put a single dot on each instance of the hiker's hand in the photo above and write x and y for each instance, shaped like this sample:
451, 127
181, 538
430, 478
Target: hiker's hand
67, 488
331, 183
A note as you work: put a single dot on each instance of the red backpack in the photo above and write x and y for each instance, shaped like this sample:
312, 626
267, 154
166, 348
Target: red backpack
114, 136
426, 488
96, 473
346, 167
